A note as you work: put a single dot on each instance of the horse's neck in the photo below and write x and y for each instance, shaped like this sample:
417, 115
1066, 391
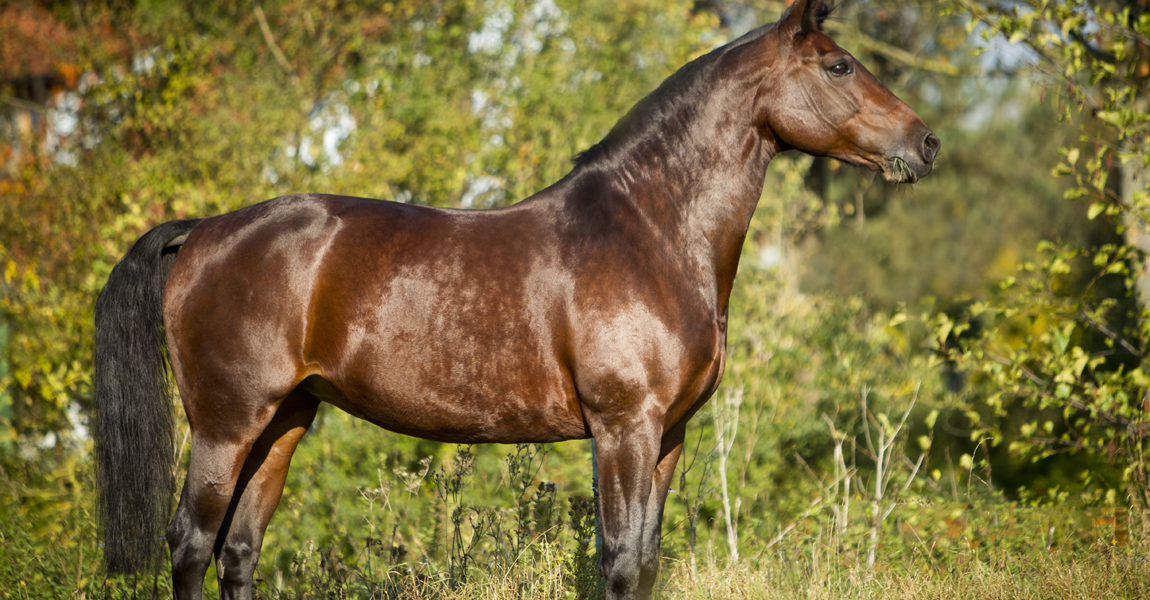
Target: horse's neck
695, 192
685, 167
716, 208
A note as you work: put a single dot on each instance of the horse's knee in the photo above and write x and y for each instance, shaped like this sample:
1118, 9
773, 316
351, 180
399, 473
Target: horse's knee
622, 576
623, 586
236, 566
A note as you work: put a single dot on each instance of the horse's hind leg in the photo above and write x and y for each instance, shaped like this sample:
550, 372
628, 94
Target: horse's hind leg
213, 469
224, 432
257, 495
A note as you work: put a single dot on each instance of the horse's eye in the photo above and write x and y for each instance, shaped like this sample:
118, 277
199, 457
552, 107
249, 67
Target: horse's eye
841, 68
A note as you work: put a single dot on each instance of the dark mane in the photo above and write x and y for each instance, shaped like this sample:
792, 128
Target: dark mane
677, 97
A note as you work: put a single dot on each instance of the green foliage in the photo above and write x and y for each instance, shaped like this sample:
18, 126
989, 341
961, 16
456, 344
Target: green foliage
47, 532
1056, 383
425, 513
1057, 351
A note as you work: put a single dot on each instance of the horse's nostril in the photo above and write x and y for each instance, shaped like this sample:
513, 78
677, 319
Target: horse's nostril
930, 147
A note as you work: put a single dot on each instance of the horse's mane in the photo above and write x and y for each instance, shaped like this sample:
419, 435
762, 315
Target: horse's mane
677, 96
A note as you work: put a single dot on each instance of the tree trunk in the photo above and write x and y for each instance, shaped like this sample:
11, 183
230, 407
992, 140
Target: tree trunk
1136, 204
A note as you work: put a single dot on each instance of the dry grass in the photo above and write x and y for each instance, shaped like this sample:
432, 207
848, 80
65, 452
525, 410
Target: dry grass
1038, 576
1100, 574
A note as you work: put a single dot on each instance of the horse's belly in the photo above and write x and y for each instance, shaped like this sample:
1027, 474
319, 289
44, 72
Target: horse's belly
454, 401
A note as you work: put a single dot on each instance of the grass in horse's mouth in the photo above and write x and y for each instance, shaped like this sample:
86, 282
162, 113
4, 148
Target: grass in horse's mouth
903, 169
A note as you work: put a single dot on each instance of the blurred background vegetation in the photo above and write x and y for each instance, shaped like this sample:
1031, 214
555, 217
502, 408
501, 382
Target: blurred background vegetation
922, 380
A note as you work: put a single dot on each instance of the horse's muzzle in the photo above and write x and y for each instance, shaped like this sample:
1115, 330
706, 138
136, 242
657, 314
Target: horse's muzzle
914, 162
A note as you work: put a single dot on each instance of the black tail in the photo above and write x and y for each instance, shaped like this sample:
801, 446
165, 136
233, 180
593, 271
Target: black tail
133, 427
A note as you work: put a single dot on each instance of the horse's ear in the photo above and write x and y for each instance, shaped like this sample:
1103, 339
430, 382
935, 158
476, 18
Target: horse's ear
802, 17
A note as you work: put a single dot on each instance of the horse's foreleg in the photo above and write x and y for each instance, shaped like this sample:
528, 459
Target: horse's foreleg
258, 493
653, 517
626, 455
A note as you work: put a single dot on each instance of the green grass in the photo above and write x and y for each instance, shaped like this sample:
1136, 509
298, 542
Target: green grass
978, 545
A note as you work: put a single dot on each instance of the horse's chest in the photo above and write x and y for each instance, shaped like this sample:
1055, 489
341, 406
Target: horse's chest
640, 354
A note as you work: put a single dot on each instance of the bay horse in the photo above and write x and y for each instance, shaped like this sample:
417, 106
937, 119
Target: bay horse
595, 308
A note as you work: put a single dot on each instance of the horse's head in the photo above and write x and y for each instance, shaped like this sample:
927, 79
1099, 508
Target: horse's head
820, 100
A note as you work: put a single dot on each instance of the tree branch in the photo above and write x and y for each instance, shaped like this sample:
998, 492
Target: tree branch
1097, 53
897, 54
1110, 333
270, 40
